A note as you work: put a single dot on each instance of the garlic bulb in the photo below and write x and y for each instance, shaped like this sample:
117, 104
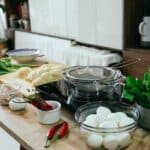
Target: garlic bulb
15, 104
95, 140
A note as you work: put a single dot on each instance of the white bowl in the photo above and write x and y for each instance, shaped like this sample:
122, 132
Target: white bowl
24, 55
51, 116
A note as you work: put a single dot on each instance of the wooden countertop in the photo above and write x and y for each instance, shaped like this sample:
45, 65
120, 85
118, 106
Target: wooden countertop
26, 129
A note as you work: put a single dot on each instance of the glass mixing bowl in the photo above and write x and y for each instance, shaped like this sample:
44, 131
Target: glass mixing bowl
83, 111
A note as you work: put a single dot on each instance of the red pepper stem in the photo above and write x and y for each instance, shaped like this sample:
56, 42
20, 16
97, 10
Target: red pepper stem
55, 138
47, 143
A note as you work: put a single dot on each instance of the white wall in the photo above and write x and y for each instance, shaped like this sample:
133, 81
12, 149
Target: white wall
60, 50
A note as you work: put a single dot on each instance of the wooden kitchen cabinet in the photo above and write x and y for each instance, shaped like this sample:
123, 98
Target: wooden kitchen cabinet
81, 20
139, 68
110, 23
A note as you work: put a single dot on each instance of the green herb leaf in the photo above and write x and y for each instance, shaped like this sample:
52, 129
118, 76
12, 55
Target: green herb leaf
136, 90
128, 96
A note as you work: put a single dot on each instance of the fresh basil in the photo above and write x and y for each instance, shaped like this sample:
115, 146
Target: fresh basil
136, 90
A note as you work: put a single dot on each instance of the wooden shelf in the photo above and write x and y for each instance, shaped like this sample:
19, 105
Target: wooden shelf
12, 9
139, 68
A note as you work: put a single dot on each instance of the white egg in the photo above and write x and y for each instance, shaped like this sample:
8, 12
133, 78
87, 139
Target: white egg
117, 117
90, 117
108, 124
91, 123
99, 119
103, 111
111, 142
126, 121
95, 140
84, 131
124, 139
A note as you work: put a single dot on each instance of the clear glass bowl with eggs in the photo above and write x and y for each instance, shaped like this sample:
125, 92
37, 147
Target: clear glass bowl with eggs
107, 123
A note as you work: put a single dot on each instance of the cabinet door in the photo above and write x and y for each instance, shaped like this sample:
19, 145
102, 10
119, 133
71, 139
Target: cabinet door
81, 20
48, 17
109, 23
59, 17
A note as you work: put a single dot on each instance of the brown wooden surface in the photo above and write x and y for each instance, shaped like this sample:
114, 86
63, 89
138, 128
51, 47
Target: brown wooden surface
133, 15
139, 68
26, 129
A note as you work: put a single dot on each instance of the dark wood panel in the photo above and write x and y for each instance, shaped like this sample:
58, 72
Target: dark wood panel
139, 68
133, 14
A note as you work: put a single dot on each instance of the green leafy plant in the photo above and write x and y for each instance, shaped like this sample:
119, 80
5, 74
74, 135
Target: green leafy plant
137, 91
6, 66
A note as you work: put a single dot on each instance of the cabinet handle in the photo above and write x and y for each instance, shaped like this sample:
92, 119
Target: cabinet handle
141, 28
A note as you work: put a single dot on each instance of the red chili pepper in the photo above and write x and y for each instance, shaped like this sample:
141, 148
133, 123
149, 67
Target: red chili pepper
51, 134
52, 137
35, 103
62, 132
53, 131
42, 105
45, 106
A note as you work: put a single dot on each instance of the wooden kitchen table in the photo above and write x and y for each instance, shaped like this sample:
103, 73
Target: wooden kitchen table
25, 128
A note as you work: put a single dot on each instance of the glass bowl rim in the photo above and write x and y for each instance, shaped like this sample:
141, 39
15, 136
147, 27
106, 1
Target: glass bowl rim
108, 130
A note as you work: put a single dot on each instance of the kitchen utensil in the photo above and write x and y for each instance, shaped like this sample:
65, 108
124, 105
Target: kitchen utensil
24, 55
51, 116
144, 30
92, 83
